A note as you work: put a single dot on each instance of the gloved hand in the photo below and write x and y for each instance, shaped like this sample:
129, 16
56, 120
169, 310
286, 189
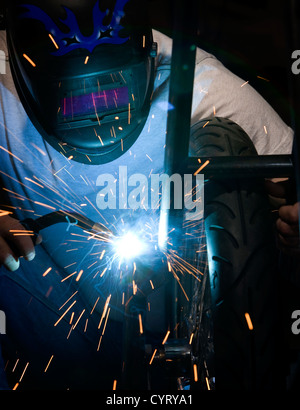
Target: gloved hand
287, 223
15, 242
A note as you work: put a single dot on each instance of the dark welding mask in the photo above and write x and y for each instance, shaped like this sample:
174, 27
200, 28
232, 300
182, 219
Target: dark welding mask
84, 71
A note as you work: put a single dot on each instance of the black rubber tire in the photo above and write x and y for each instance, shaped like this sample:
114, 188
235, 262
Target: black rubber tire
242, 259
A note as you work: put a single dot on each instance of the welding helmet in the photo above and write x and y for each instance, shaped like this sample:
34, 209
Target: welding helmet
84, 71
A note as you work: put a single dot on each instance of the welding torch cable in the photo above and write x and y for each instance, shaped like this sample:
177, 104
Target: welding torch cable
72, 218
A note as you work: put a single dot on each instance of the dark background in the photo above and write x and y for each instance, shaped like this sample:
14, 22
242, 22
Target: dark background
251, 37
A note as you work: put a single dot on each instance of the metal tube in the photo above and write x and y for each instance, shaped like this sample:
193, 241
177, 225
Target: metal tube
262, 166
178, 128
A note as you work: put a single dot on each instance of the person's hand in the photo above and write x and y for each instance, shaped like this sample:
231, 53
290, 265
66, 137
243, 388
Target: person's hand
287, 223
287, 226
15, 242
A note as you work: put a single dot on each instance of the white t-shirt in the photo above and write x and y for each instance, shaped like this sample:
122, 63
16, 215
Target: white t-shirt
218, 92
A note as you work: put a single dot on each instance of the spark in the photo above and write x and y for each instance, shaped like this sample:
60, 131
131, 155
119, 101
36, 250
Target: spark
249, 321
55, 173
18, 232
104, 310
29, 60
48, 364
83, 179
4, 213
195, 372
95, 209
10, 153
80, 316
86, 59
262, 78
53, 41
113, 132
152, 357
30, 180
100, 139
71, 328
166, 337
45, 205
141, 324
79, 275
38, 149
202, 90
48, 291
115, 385
134, 287
202, 166
85, 326
14, 368
149, 157
47, 271
104, 327
246, 82
68, 300
182, 288
207, 383
70, 174
207, 122
63, 315
92, 264
67, 277
183, 265
22, 375
103, 272
71, 264
71, 318
97, 300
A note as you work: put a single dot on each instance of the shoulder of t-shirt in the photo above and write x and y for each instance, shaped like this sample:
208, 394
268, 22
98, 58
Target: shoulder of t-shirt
3, 44
164, 50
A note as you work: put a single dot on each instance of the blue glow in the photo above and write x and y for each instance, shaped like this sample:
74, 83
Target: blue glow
129, 246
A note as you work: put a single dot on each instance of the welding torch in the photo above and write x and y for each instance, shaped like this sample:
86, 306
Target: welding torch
72, 218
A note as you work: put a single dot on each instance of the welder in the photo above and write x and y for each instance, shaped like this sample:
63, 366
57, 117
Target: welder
86, 92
